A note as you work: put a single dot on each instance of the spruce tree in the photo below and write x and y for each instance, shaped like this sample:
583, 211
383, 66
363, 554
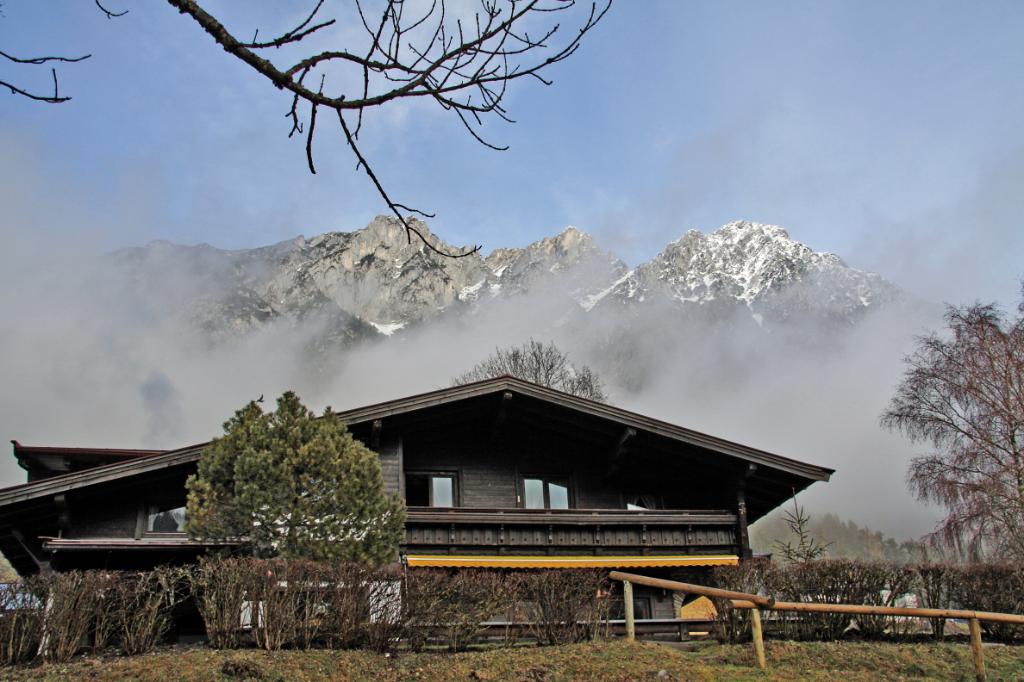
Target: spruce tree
293, 485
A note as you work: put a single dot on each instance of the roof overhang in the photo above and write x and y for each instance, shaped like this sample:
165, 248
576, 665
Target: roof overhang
765, 461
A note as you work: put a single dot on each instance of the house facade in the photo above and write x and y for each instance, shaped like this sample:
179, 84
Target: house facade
500, 473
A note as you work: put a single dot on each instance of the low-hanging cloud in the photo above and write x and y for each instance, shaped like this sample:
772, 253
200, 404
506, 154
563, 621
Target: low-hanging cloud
90, 357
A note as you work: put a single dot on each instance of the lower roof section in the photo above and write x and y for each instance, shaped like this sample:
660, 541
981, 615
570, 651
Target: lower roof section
149, 543
506, 561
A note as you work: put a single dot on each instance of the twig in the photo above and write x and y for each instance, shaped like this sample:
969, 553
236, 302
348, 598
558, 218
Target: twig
110, 15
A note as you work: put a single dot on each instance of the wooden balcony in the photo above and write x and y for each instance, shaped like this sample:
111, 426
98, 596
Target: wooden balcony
569, 531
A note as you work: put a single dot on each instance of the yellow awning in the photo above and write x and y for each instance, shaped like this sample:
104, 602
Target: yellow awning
470, 561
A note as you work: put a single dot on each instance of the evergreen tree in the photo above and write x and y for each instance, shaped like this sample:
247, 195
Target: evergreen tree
806, 548
295, 486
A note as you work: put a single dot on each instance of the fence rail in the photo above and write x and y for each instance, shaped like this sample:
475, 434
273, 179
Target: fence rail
755, 602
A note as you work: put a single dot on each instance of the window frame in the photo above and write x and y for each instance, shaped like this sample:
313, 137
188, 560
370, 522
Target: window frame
641, 604
454, 475
147, 511
564, 480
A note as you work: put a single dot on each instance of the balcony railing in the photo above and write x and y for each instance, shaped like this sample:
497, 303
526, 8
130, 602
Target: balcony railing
567, 531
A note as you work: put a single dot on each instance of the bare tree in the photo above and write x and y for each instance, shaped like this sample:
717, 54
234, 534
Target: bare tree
963, 393
542, 364
462, 62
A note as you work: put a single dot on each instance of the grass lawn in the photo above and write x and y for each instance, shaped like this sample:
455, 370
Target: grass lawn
599, 661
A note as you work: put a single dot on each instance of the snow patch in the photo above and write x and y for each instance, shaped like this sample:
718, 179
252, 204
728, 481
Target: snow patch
471, 291
388, 328
588, 302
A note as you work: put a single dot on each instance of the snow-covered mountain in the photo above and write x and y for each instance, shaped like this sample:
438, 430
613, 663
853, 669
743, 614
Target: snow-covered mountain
371, 282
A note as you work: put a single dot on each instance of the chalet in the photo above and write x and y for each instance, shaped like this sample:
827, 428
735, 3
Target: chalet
500, 473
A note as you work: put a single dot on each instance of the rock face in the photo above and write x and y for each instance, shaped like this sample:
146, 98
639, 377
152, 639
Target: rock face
372, 282
754, 265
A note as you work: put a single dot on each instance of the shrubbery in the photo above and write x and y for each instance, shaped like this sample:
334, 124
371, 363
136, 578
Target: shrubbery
982, 587
276, 604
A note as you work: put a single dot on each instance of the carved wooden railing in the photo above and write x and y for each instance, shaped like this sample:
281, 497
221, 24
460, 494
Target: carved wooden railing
582, 531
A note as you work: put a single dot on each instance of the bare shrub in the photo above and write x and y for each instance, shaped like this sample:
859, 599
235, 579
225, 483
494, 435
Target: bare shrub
219, 587
347, 606
70, 601
936, 588
276, 610
450, 605
756, 576
883, 584
385, 622
568, 605
146, 599
992, 587
825, 581
106, 607
21, 622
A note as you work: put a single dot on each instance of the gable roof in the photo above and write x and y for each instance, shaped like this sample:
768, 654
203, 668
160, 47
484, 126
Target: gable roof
421, 401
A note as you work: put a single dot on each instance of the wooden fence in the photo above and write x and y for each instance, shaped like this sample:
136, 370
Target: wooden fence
755, 603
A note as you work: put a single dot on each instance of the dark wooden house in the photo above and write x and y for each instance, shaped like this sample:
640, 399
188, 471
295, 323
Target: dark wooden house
498, 473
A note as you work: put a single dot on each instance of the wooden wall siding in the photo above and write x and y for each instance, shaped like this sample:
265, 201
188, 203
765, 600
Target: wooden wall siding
390, 454
114, 512
489, 469
105, 521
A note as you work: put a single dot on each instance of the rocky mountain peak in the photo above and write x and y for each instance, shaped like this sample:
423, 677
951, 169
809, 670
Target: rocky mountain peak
374, 278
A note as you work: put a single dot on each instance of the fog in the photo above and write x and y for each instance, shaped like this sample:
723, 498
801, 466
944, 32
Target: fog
91, 358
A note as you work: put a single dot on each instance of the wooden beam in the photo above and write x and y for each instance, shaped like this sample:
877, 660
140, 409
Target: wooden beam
60, 500
627, 601
742, 533
617, 450
865, 610
677, 586
42, 564
375, 429
977, 653
499, 420
755, 629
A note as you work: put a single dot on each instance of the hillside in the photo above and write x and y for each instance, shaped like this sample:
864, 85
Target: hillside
846, 662
845, 539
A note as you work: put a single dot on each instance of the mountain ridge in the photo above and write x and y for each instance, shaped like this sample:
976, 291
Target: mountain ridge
375, 282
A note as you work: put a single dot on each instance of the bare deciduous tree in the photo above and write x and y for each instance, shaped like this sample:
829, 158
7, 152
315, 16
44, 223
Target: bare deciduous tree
542, 364
464, 67
462, 62
963, 393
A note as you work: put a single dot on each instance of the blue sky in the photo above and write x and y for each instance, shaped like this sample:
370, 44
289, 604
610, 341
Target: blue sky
888, 133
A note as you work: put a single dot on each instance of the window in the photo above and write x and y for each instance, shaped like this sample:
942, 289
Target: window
545, 493
430, 490
642, 502
165, 518
641, 608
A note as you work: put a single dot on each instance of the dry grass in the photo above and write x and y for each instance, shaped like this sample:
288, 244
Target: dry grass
618, 660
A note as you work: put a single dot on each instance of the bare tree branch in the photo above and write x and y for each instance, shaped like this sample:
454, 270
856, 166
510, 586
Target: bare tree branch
42, 60
55, 98
110, 15
463, 67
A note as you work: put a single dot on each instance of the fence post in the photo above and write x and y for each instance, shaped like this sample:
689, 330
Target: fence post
627, 600
976, 651
755, 630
